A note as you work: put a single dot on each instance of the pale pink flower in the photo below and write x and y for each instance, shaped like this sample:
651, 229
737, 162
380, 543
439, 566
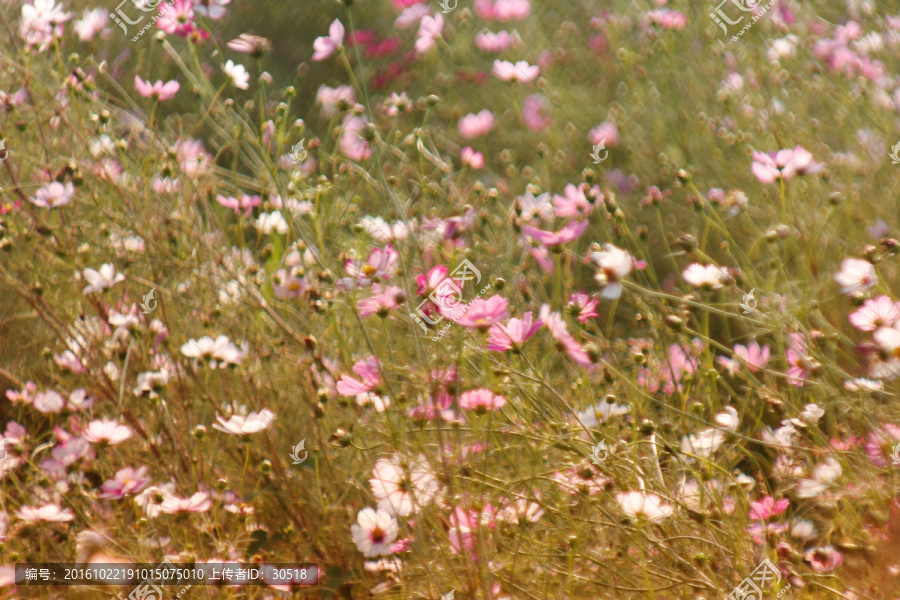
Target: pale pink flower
536, 113
47, 513
430, 29
529, 207
127, 481
380, 264
411, 15
331, 99
475, 125
473, 159
768, 507
753, 356
502, 10
708, 277
326, 46
512, 335
856, 275
481, 400
784, 164
568, 344
247, 43
159, 90
495, 42
667, 18
639, 505
823, 559
369, 378
106, 432
797, 359
571, 231
520, 510
54, 195
573, 203
103, 279
177, 18
875, 313
382, 301
481, 313
213, 9
90, 24
585, 479
374, 531
194, 160
245, 204
42, 23
520, 71
614, 264
245, 425
604, 132
174, 505
881, 442
403, 487
238, 75
351, 142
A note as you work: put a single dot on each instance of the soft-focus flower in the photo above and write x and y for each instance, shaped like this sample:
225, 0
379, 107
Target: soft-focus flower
560, 332
90, 24
174, 505
403, 490
219, 350
47, 513
253, 45
823, 559
768, 507
604, 132
241, 425
881, 443
601, 412
272, 222
512, 335
192, 158
352, 143
667, 18
475, 125
529, 207
856, 275
582, 307
326, 46
471, 158
614, 264
159, 90
374, 531
54, 195
502, 10
430, 30
797, 359
106, 432
127, 481
784, 164
752, 356
177, 17
481, 313
708, 277
238, 74
520, 510
574, 202
571, 231
823, 475
152, 498
369, 378
243, 205
332, 99
42, 23
105, 278
644, 505
487, 41
382, 301
520, 71
875, 313
481, 400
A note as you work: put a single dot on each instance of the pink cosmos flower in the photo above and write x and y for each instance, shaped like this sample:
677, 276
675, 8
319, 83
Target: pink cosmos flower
502, 338
520, 71
213, 9
430, 29
159, 90
475, 125
481, 400
369, 378
568, 344
245, 204
614, 264
430, 409
528, 207
604, 132
754, 357
465, 524
784, 164
326, 46
798, 361
352, 143
54, 195
823, 559
330, 99
494, 42
411, 15
174, 505
192, 158
381, 264
856, 275
574, 202
128, 481
881, 442
381, 302
177, 18
106, 432
502, 10
644, 505
42, 23
473, 159
481, 313
667, 18
582, 307
90, 24
245, 425
536, 113
583, 479
875, 313
571, 231
768, 507
47, 513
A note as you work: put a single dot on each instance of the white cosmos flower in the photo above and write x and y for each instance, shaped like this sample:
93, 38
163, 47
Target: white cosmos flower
614, 264
708, 277
600, 413
823, 475
383, 231
241, 425
403, 490
703, 444
106, 432
640, 504
220, 349
273, 221
105, 278
374, 531
238, 74
50, 513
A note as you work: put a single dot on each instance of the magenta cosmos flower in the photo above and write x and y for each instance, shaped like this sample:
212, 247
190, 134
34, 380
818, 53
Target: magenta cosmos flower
568, 344
768, 507
582, 307
571, 231
482, 313
573, 202
159, 90
475, 125
369, 378
502, 338
324, 47
481, 400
